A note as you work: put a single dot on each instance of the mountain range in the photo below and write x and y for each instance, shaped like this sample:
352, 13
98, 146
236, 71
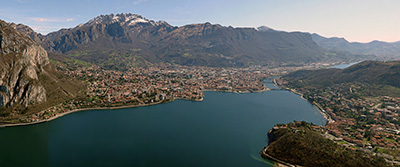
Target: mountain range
127, 40
378, 48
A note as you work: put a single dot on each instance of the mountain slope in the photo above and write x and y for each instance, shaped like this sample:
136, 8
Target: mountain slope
126, 40
21, 60
27, 78
373, 78
371, 72
301, 145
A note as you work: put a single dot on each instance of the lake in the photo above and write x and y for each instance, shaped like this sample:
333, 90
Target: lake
226, 129
343, 66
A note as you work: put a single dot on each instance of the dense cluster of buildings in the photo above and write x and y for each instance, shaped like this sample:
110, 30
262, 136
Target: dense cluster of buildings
148, 85
153, 85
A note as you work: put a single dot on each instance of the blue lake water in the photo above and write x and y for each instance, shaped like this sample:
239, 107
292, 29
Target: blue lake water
343, 66
226, 129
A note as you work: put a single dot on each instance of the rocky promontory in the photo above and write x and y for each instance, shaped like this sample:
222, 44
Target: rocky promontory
302, 144
21, 60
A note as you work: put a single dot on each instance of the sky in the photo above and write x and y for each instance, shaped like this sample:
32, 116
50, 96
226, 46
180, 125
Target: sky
355, 20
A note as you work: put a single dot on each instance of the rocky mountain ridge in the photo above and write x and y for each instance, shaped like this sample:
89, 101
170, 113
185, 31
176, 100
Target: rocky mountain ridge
126, 19
126, 40
20, 62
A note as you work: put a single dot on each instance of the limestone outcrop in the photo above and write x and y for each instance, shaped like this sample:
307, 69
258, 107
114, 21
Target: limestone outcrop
21, 62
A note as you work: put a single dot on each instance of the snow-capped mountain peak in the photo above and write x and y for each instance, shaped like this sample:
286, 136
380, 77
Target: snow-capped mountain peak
264, 29
128, 19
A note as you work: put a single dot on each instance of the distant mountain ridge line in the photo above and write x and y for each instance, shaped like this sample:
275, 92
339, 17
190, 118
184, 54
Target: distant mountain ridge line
375, 47
107, 39
259, 28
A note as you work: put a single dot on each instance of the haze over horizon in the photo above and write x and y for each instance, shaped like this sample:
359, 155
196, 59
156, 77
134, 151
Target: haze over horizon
356, 21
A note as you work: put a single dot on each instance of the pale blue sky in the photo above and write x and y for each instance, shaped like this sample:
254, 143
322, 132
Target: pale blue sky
355, 20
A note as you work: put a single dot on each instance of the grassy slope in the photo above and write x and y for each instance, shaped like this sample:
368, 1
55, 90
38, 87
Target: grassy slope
308, 148
59, 88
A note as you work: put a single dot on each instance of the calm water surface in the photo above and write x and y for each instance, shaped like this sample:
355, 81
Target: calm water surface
343, 66
226, 129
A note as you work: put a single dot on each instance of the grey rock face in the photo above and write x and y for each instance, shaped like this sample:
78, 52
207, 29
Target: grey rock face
21, 60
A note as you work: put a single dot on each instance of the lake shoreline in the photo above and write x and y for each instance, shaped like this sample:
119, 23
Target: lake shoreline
150, 104
320, 109
238, 92
120, 107
225, 122
278, 162
83, 109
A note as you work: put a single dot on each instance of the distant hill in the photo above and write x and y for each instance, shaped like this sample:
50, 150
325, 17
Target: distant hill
378, 48
381, 78
27, 78
372, 72
125, 40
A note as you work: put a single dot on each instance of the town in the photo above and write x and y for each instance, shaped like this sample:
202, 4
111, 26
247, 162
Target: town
367, 124
153, 85
141, 86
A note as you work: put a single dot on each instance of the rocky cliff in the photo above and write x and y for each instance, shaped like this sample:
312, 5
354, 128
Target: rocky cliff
21, 61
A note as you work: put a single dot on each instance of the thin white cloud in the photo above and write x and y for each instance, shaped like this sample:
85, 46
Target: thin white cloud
55, 20
41, 20
137, 2
45, 29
